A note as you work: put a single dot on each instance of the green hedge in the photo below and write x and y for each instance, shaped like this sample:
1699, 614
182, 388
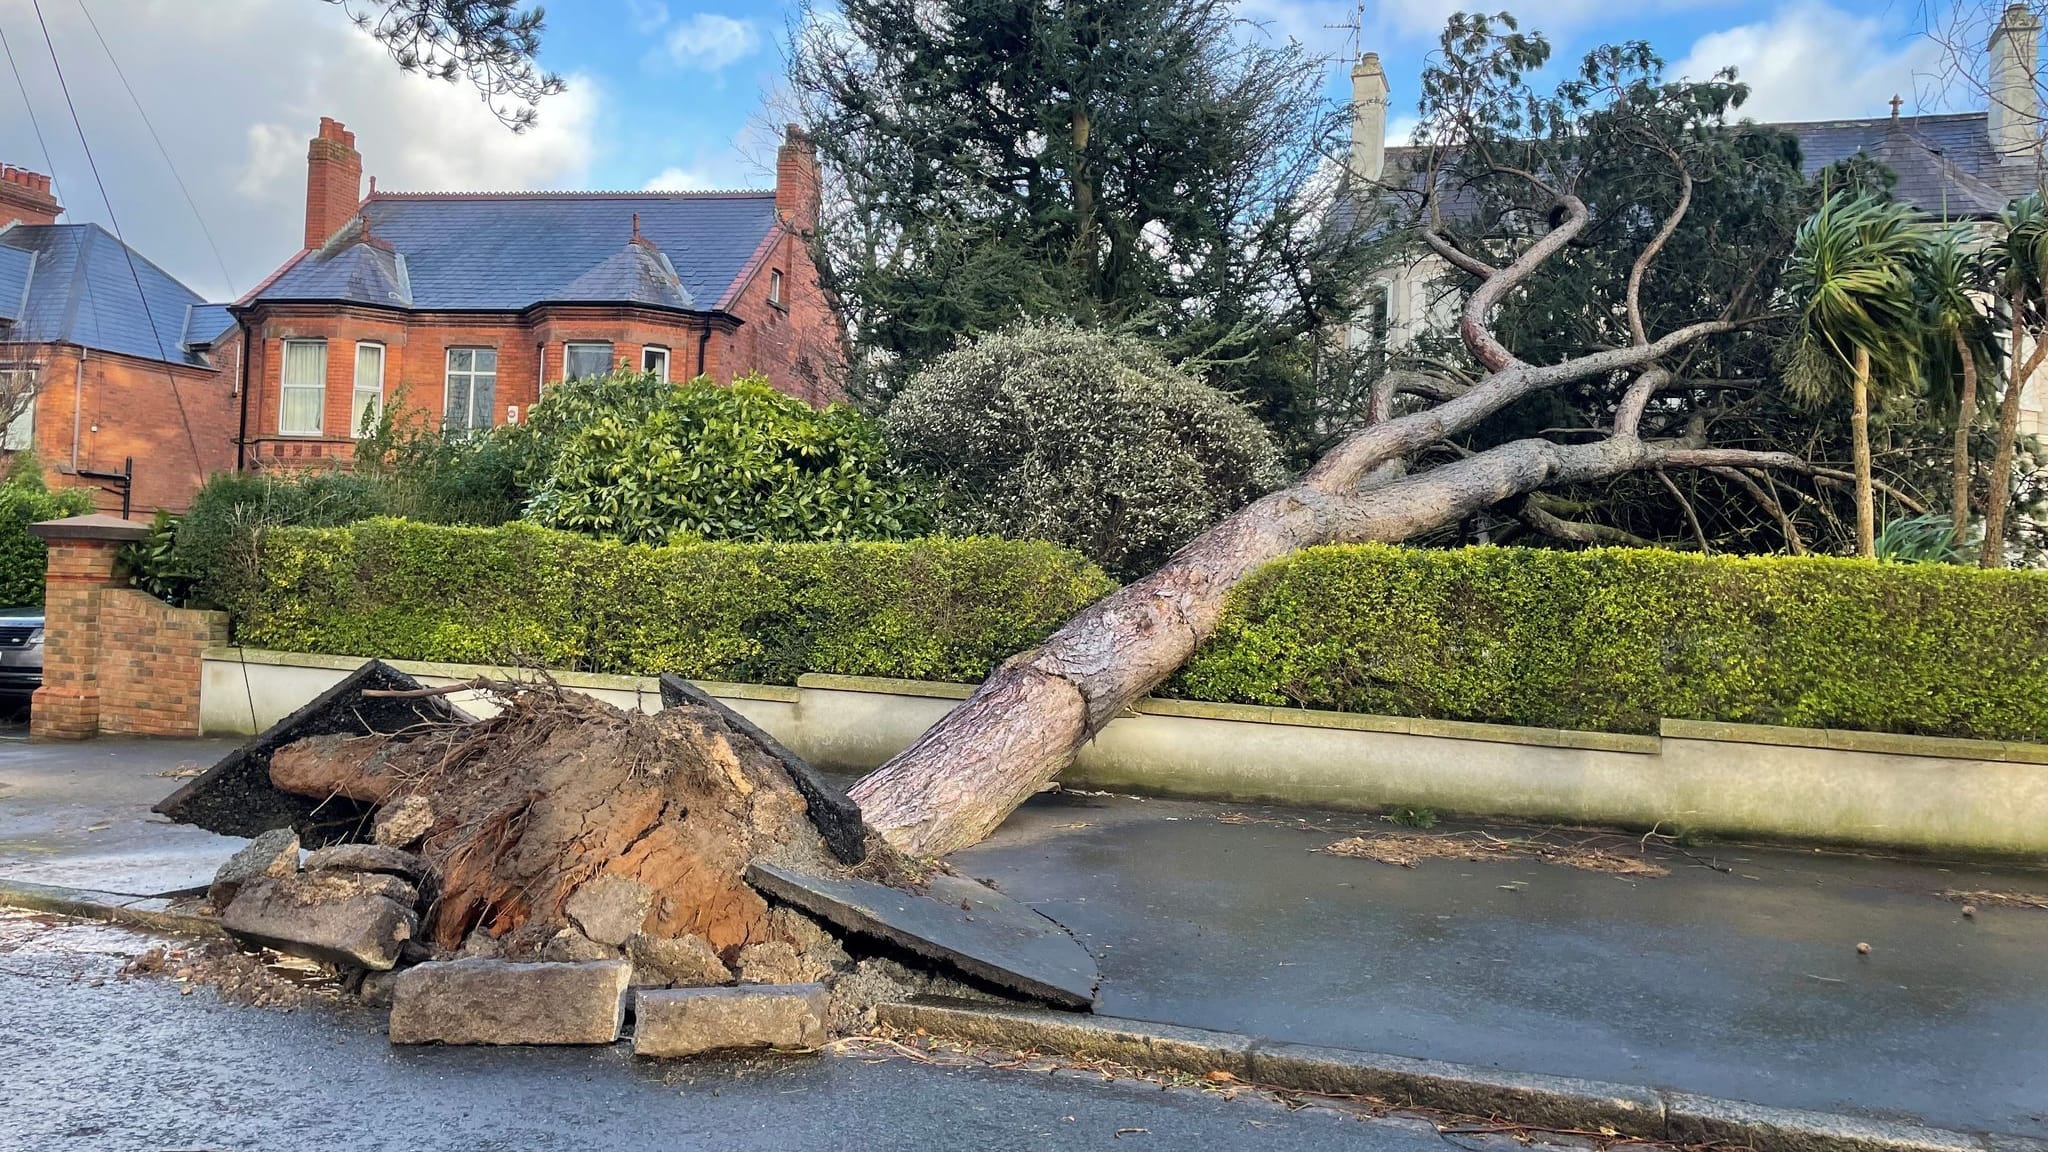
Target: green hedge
934, 609
23, 501
1614, 639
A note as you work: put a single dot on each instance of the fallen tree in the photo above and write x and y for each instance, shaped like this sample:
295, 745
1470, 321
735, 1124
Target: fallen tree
1023, 725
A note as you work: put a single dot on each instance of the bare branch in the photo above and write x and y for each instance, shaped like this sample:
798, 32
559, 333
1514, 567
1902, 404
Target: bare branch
1649, 253
1543, 520
1691, 517
1628, 415
1770, 504
1456, 256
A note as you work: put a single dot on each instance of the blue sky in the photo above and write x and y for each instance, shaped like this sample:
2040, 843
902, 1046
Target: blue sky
679, 93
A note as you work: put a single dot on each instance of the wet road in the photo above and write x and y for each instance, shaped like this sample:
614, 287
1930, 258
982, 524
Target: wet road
1744, 983
91, 1061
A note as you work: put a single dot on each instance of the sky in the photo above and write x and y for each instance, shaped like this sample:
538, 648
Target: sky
207, 179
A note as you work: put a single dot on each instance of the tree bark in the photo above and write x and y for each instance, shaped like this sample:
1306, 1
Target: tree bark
1023, 726
2000, 495
1859, 430
1966, 416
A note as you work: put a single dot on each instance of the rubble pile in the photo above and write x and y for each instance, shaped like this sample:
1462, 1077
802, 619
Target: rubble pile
546, 874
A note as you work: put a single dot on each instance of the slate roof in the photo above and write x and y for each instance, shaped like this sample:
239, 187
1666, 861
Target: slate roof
16, 264
204, 323
1944, 164
82, 289
505, 252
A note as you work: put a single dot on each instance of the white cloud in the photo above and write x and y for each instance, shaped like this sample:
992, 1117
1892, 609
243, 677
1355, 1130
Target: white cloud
1812, 62
708, 42
647, 15
281, 64
676, 179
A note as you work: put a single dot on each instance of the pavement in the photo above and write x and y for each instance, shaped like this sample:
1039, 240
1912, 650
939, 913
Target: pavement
1744, 984
123, 1064
1736, 975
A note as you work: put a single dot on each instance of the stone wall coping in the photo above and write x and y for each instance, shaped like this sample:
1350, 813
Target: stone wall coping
95, 526
446, 671
1940, 747
1848, 740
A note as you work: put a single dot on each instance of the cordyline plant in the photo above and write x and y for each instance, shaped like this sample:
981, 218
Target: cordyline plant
1023, 725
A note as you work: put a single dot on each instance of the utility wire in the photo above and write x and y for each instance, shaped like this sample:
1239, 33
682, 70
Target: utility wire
161, 150
28, 107
163, 355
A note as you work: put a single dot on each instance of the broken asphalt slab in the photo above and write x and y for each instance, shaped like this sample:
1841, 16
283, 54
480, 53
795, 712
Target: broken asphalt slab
236, 798
834, 814
963, 925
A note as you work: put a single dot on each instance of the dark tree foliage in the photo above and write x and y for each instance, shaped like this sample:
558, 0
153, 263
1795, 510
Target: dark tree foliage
490, 42
1630, 143
1142, 166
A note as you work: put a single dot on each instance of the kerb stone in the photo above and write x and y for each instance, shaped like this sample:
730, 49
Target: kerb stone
504, 1002
690, 1021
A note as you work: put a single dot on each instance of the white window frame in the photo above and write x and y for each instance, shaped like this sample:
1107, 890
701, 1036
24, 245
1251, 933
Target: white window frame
285, 388
651, 350
775, 287
478, 417
369, 396
569, 349
20, 433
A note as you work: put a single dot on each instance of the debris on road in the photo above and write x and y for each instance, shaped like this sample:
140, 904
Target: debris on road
508, 880
1981, 898
1407, 849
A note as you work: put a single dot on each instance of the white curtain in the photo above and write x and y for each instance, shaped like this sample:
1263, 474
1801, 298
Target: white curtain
305, 387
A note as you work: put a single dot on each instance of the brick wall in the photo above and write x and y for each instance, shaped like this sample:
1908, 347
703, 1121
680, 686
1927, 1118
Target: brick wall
115, 660
150, 663
96, 409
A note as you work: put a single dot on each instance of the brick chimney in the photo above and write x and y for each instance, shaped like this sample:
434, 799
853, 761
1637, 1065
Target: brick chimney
2014, 123
1368, 119
796, 179
334, 181
25, 196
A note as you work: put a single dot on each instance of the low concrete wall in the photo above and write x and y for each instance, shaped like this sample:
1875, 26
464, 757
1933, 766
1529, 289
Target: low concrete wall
1726, 779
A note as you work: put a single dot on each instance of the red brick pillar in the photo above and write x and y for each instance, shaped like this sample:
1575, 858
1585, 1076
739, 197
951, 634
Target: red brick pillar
82, 552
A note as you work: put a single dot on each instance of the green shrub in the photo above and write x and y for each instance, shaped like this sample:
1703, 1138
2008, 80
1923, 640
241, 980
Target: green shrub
1614, 639
713, 462
933, 609
423, 474
218, 536
24, 499
1082, 438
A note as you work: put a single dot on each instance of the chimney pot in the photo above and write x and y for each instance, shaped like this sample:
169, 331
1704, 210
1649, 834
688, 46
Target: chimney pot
334, 181
1368, 119
25, 197
2013, 120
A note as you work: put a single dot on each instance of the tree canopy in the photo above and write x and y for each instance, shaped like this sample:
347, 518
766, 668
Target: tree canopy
1145, 166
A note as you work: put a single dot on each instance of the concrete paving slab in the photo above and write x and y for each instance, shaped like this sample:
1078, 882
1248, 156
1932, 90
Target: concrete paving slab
1743, 984
959, 923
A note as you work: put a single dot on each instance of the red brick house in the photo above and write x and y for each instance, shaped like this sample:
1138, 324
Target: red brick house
128, 365
471, 303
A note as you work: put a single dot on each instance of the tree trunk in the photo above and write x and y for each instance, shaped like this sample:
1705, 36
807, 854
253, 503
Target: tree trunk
1859, 428
2000, 495
1024, 725
1966, 416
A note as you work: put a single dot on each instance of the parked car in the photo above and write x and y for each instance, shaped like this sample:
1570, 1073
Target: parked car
21, 651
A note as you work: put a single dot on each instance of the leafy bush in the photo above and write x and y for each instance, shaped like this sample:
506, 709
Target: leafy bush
1085, 439
219, 537
423, 474
25, 499
933, 609
155, 565
1614, 639
711, 462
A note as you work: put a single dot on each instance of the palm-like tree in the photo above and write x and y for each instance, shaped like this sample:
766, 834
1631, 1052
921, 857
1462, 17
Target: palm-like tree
2020, 261
1850, 278
1961, 343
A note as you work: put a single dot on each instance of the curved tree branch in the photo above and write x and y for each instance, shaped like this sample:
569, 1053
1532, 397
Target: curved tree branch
1656, 244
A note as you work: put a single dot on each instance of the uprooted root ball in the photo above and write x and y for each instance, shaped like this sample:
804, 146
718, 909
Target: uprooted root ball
559, 789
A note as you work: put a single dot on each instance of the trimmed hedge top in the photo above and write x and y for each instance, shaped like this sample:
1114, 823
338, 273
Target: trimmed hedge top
933, 609
1614, 639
